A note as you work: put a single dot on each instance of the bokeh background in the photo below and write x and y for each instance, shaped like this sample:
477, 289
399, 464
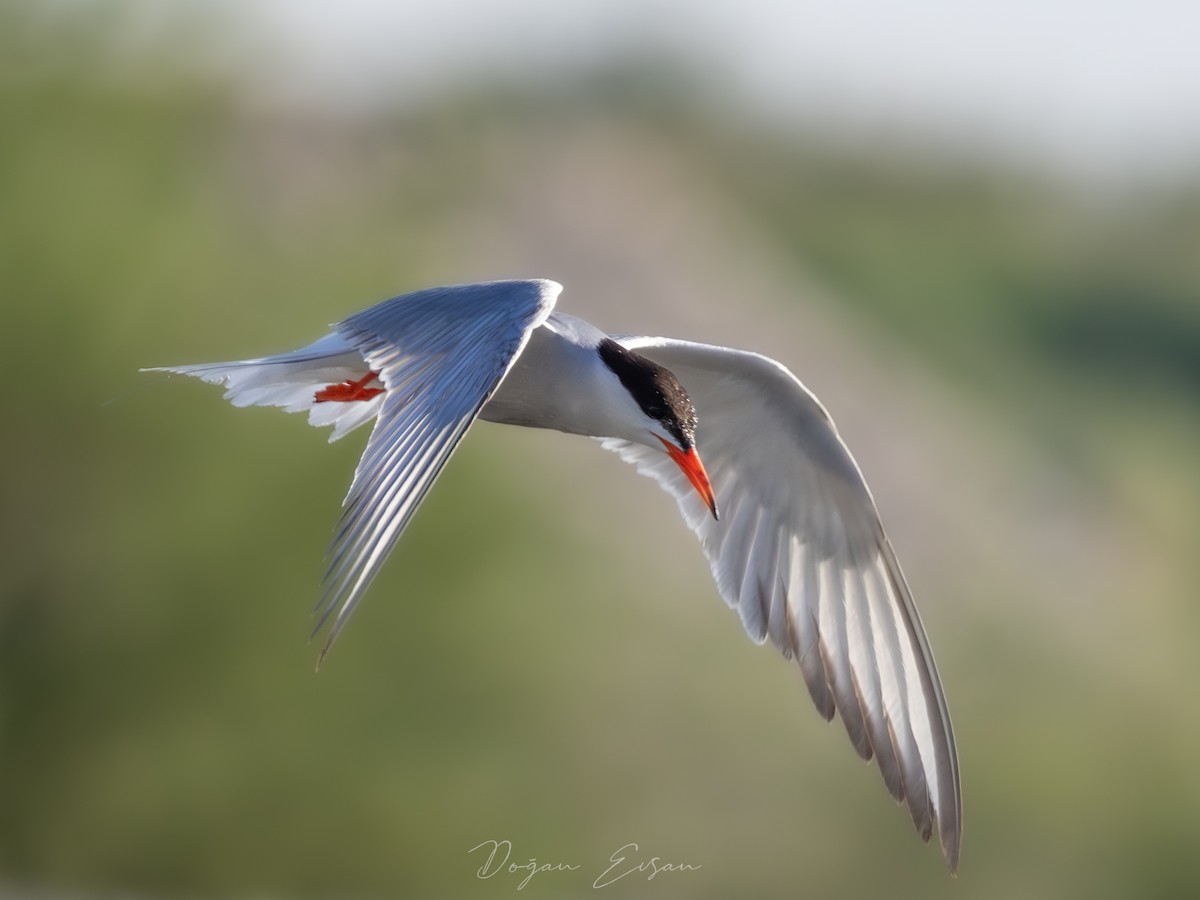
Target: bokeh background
975, 234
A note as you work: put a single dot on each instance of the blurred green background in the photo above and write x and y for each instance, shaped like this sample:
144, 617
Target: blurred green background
1013, 356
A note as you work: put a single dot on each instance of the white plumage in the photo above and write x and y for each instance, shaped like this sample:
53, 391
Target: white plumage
798, 549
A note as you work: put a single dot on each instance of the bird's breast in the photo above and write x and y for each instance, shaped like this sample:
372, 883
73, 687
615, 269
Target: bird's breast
559, 382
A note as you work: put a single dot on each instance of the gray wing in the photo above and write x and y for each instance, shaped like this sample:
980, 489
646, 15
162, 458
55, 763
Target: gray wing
440, 354
801, 554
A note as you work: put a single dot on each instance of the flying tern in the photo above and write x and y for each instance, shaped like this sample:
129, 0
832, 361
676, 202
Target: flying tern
789, 527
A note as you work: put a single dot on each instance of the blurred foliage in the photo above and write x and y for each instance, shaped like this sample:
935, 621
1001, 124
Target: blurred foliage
160, 729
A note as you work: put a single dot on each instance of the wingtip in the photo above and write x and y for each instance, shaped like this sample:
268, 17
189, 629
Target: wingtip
327, 645
951, 855
951, 844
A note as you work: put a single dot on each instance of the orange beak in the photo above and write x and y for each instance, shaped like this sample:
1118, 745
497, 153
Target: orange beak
689, 463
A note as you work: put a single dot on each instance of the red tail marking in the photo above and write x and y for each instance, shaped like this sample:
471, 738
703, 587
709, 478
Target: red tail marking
349, 391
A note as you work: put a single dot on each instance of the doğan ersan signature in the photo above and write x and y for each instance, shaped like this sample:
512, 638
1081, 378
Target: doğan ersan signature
626, 860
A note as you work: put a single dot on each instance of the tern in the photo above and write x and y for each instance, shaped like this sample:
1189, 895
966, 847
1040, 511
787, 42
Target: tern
786, 520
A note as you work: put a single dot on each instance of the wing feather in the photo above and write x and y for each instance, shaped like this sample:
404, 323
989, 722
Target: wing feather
801, 555
805, 632
778, 624
441, 354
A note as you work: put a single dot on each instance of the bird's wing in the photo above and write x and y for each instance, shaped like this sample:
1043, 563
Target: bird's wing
799, 551
440, 353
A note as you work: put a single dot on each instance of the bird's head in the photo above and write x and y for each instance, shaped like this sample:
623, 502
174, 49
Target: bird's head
667, 411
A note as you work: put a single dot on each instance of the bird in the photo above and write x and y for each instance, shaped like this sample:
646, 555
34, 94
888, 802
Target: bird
787, 523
